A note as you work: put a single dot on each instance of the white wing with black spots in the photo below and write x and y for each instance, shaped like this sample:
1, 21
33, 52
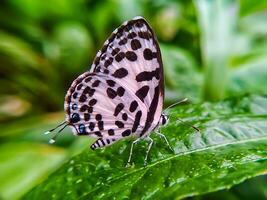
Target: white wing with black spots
122, 95
98, 106
132, 56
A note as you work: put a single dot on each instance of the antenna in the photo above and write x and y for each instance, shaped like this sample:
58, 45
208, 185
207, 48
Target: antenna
51, 130
52, 140
176, 103
192, 126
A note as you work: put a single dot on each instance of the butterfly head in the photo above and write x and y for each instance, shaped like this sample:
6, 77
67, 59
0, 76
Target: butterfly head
163, 119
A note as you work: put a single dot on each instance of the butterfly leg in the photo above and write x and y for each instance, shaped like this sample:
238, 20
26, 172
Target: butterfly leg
131, 151
165, 139
148, 149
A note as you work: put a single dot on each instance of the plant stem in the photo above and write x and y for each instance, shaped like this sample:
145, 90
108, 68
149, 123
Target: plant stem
217, 21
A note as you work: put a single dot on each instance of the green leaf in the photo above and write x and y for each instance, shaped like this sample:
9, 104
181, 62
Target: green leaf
217, 21
254, 188
230, 148
23, 165
250, 6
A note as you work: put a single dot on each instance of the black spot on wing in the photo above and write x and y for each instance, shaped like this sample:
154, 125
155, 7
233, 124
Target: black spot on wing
119, 33
104, 48
103, 56
123, 41
115, 51
98, 69
79, 86
98, 133
106, 71
108, 62
120, 56
75, 117
142, 92
98, 117
139, 24
151, 111
111, 83
148, 76
88, 79
86, 116
91, 126
145, 35
148, 54
133, 106
111, 93
118, 108
84, 108
74, 106
82, 130
131, 56
132, 35
92, 102
74, 95
137, 119
120, 73
120, 91
88, 91
100, 125
97, 60
111, 38
111, 132
119, 124
124, 116
82, 98
126, 133
90, 109
135, 44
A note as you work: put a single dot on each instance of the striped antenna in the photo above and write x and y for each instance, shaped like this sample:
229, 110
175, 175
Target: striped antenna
53, 139
51, 130
176, 103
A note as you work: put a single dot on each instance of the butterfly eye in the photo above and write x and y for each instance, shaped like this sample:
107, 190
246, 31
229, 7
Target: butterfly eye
164, 119
75, 118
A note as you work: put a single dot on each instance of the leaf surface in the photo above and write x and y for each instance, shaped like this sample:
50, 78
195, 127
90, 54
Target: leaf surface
230, 148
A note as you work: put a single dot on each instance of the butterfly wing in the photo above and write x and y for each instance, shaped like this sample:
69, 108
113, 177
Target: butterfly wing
97, 106
123, 93
132, 55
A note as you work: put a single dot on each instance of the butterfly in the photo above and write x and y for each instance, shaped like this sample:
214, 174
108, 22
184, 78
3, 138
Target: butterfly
123, 93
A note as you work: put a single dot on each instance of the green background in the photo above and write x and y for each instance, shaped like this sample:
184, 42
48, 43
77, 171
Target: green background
214, 53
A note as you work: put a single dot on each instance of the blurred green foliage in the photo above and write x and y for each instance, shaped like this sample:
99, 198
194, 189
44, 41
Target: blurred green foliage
212, 50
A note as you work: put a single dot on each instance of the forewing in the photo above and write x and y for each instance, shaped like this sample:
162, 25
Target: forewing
132, 56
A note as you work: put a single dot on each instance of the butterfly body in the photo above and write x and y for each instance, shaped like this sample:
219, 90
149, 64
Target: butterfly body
122, 95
